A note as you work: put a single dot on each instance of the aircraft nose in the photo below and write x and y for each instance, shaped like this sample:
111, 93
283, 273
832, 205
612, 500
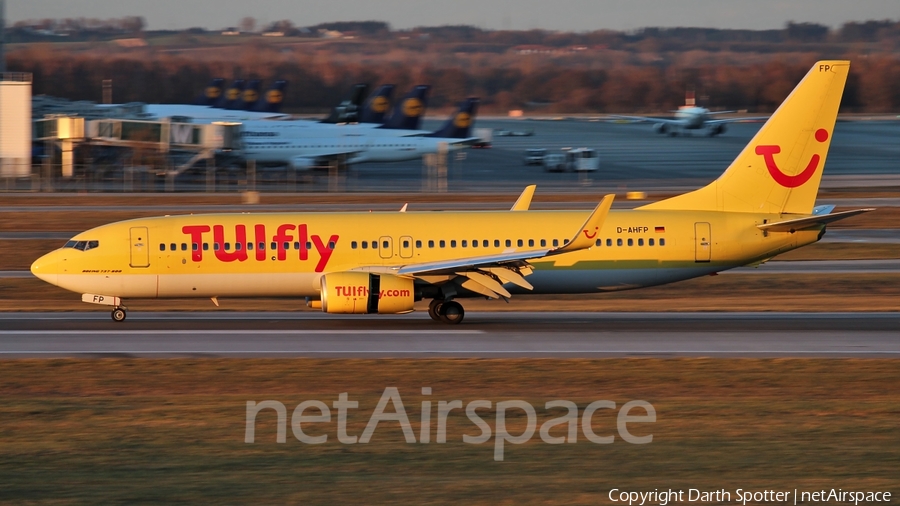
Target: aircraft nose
46, 268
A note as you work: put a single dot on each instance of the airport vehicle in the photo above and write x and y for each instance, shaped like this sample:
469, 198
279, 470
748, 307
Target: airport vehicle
576, 160
689, 117
535, 156
383, 262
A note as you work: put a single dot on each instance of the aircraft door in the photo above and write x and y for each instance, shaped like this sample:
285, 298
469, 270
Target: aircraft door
140, 247
406, 247
386, 247
702, 242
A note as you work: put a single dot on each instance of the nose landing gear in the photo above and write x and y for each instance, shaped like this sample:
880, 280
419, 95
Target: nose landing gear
118, 314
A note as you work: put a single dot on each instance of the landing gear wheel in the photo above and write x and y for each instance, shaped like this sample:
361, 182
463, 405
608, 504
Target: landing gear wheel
434, 309
118, 314
452, 312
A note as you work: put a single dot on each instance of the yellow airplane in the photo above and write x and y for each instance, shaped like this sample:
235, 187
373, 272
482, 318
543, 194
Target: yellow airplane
384, 262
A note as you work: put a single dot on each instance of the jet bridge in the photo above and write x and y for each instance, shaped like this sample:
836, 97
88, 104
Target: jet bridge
205, 140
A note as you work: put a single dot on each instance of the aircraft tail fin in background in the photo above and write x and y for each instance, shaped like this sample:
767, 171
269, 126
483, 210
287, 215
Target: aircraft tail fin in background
232, 95
376, 107
250, 97
410, 110
779, 171
459, 125
212, 93
348, 110
273, 98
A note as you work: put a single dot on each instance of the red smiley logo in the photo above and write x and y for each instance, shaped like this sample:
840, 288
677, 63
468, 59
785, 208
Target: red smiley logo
780, 177
590, 236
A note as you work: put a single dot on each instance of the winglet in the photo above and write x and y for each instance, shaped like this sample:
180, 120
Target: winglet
585, 236
524, 201
405, 206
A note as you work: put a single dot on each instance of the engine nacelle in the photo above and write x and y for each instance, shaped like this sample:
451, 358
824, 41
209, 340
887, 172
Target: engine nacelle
660, 128
303, 163
364, 293
717, 129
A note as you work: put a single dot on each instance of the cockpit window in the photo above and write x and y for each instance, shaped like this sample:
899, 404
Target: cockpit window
82, 245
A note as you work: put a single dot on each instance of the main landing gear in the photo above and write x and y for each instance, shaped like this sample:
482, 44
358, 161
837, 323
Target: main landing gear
118, 314
446, 311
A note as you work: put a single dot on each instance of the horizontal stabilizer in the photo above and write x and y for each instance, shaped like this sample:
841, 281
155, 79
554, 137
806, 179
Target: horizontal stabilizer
809, 222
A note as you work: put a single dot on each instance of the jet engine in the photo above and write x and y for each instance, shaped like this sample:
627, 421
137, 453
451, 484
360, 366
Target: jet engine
302, 163
661, 128
364, 293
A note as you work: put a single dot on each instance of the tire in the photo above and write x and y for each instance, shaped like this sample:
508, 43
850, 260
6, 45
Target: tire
118, 314
434, 308
452, 312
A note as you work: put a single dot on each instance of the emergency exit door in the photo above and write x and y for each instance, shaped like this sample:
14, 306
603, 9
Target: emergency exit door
702, 242
140, 247
406, 247
386, 247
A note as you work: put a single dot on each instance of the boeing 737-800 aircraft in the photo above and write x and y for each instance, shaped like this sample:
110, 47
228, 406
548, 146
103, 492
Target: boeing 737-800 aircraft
383, 262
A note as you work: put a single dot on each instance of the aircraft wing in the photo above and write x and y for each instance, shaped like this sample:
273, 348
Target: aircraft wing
486, 274
648, 119
811, 221
733, 120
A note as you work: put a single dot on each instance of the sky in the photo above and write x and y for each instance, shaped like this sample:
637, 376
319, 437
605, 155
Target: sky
563, 15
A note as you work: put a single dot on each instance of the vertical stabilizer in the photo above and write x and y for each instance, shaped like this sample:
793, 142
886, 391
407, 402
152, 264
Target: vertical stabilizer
779, 171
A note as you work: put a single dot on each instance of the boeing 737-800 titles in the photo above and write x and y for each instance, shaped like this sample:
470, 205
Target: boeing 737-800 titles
763, 205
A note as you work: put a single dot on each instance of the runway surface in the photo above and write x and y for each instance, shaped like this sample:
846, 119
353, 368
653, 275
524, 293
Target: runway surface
487, 334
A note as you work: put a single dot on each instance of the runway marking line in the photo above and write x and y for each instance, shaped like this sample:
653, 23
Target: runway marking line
446, 352
233, 332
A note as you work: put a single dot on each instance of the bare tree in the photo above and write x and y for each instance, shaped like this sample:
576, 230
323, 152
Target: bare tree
248, 24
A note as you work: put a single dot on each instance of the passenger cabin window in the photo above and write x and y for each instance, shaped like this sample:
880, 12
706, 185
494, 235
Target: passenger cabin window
496, 243
609, 242
508, 243
662, 242
452, 243
618, 242
227, 246
631, 242
531, 242
365, 245
640, 242
465, 243
195, 247
418, 244
443, 243
555, 243
331, 245
543, 243
599, 242
650, 242
520, 243
162, 247
430, 244
206, 246
352, 244
184, 246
